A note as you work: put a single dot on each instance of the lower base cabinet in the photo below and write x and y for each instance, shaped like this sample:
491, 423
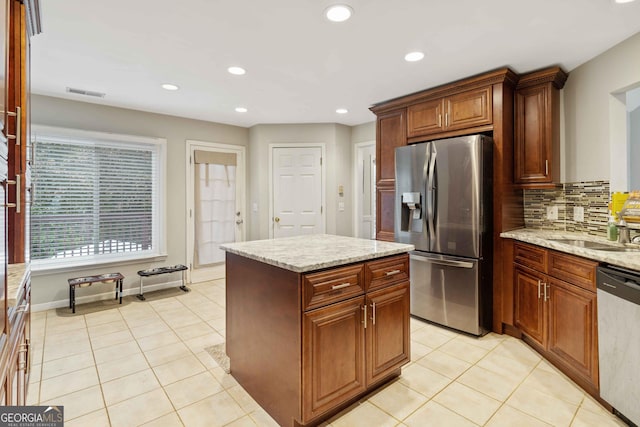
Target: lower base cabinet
16, 354
346, 328
558, 316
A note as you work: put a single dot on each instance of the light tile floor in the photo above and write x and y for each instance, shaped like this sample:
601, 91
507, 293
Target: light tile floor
144, 363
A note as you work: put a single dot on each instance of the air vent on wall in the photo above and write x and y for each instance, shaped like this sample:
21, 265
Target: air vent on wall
86, 92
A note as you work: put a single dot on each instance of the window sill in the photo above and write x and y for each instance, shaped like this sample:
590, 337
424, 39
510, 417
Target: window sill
45, 269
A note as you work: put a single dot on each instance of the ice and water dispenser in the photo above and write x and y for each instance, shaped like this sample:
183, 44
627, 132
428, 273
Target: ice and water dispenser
411, 212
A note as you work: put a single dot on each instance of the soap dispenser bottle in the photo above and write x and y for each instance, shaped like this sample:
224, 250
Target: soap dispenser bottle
612, 229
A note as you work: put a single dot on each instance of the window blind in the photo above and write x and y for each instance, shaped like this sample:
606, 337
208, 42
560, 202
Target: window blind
93, 198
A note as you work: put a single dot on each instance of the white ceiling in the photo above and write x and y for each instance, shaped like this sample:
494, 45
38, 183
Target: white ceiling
301, 67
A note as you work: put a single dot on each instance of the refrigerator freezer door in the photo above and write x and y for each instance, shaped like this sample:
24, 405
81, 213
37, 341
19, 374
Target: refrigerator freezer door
458, 182
445, 290
410, 209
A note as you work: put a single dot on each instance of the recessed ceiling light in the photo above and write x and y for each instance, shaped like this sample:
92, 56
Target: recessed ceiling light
238, 71
623, 1
342, 111
169, 86
338, 12
241, 110
413, 56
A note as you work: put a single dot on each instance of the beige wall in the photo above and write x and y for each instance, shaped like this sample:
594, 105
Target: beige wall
593, 119
80, 115
338, 151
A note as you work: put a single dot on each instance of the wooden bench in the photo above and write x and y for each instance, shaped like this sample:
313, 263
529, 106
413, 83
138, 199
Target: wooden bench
162, 270
85, 281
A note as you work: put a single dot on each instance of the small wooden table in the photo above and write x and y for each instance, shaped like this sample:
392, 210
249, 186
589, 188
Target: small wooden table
162, 270
116, 278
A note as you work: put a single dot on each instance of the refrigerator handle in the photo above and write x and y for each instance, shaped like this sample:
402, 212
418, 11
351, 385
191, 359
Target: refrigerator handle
447, 262
431, 193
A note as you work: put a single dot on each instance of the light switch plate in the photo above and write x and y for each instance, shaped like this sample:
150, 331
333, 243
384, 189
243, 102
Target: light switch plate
578, 214
552, 213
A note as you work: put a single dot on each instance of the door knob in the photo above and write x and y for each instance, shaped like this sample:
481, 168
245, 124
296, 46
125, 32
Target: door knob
276, 219
240, 221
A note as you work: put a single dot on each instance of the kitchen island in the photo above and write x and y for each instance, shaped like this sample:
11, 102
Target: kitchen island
315, 322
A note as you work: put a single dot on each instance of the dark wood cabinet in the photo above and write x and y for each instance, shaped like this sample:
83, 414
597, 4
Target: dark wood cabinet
333, 356
537, 127
387, 331
463, 110
331, 335
391, 132
555, 309
573, 327
530, 311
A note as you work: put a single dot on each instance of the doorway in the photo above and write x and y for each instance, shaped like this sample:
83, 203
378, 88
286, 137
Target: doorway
365, 190
215, 201
297, 182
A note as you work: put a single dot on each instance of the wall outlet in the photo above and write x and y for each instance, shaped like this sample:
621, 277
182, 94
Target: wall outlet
578, 214
552, 213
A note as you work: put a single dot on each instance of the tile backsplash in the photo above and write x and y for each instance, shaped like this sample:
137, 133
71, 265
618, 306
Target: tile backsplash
592, 196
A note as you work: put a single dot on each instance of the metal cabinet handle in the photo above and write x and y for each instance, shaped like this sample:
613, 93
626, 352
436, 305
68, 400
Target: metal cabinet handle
373, 313
17, 182
546, 295
439, 120
364, 308
22, 308
344, 285
546, 167
446, 120
18, 117
539, 283
392, 272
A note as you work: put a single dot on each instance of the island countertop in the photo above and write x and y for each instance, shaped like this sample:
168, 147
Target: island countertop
314, 252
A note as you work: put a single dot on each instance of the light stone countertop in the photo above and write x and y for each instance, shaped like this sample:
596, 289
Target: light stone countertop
542, 238
314, 252
16, 278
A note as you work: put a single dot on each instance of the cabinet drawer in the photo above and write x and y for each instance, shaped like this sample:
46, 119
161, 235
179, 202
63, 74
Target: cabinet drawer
386, 271
530, 256
333, 285
572, 269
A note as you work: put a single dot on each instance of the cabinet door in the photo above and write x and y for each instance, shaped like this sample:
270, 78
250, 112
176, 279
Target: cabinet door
387, 331
332, 356
573, 327
530, 310
425, 118
469, 109
390, 133
533, 136
385, 206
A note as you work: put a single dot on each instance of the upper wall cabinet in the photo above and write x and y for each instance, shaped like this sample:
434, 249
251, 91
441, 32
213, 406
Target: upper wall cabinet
537, 128
460, 111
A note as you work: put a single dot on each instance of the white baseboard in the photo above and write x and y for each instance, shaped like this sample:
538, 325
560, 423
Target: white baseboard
104, 296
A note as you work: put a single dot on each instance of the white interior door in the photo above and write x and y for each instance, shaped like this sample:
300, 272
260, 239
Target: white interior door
297, 191
365, 193
216, 212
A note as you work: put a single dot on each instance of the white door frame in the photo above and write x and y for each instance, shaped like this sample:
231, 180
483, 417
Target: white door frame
323, 169
241, 181
356, 177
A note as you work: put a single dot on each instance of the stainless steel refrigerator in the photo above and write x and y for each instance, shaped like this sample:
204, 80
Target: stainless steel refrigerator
443, 208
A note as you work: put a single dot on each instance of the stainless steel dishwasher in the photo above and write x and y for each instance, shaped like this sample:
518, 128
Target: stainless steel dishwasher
619, 340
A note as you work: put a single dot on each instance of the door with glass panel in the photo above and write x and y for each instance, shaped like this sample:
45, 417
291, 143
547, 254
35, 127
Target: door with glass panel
216, 206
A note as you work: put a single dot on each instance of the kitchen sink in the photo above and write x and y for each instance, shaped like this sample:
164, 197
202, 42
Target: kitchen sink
596, 246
